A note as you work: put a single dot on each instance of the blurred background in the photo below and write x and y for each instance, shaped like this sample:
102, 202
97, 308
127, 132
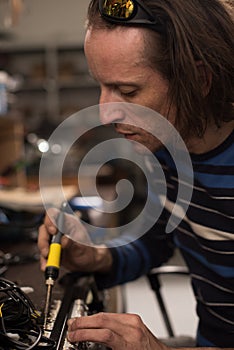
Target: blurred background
43, 73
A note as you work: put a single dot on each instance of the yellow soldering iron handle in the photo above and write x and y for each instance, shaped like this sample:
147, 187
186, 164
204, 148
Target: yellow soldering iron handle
54, 257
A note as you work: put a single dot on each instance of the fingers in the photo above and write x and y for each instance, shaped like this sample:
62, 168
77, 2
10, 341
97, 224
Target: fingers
100, 336
94, 329
48, 228
73, 255
43, 241
50, 220
118, 331
75, 229
72, 226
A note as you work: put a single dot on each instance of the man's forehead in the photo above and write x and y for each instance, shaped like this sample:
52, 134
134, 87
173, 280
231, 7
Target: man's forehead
123, 33
120, 41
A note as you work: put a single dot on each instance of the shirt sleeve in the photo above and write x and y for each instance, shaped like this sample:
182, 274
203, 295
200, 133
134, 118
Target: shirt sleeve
137, 258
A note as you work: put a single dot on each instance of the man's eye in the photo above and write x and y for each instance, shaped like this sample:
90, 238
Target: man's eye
128, 93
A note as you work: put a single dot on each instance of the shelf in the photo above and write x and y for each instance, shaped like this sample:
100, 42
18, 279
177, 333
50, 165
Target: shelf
48, 73
36, 87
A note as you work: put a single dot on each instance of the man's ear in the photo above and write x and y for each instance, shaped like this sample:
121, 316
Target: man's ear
205, 77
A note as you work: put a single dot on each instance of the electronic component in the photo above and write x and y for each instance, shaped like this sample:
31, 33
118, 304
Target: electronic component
20, 322
81, 298
21, 325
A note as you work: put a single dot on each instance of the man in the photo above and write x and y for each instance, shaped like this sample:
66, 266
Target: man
175, 57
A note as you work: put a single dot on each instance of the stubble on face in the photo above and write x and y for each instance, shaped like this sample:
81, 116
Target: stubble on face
117, 60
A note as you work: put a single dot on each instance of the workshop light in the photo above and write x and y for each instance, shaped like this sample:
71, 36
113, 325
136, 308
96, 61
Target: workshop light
43, 145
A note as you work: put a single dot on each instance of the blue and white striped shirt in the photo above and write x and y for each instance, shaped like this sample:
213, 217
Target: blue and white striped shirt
205, 237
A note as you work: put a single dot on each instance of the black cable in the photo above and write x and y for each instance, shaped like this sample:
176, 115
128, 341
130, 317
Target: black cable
20, 327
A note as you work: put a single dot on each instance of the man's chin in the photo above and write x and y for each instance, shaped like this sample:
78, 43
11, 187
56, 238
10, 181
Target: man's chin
146, 149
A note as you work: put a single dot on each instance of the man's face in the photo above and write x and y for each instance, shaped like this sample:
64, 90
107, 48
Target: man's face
116, 60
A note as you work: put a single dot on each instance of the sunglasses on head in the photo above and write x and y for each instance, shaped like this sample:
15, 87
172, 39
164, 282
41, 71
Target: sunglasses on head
129, 12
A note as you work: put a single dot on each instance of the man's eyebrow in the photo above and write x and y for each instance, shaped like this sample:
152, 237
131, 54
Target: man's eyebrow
115, 82
122, 83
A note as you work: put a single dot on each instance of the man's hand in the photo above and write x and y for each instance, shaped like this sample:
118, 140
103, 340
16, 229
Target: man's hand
78, 253
117, 331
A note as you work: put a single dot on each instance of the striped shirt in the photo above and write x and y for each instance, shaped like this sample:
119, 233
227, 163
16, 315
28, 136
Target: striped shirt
205, 237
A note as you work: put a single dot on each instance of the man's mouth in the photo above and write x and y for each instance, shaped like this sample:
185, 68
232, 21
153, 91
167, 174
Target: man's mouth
130, 136
127, 135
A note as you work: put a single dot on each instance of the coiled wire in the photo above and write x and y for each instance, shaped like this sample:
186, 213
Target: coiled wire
19, 321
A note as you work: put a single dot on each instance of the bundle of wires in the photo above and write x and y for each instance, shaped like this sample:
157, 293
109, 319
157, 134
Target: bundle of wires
19, 321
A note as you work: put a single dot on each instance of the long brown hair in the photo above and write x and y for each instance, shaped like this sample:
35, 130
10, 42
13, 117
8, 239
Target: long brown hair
197, 43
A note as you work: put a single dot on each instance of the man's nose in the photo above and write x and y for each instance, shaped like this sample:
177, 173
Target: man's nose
110, 108
111, 113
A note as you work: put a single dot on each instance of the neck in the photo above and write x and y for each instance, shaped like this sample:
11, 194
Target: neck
212, 138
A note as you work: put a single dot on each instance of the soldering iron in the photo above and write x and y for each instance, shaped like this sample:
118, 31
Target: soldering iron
53, 262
